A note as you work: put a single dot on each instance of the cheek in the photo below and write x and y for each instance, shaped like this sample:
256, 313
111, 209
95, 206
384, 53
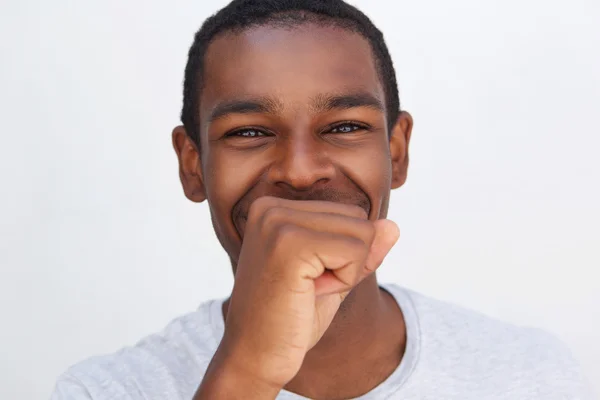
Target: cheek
371, 166
228, 177
370, 169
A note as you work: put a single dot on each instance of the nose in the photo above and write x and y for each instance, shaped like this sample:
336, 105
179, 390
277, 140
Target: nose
301, 163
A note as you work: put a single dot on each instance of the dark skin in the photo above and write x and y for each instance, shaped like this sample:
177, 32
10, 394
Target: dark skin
299, 114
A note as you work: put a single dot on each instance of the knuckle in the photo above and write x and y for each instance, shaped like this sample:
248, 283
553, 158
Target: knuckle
284, 240
254, 211
279, 237
259, 206
273, 216
288, 232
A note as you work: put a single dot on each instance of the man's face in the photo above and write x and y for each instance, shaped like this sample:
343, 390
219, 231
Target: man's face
297, 113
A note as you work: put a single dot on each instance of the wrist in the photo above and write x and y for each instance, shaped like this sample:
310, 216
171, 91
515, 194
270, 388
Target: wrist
227, 378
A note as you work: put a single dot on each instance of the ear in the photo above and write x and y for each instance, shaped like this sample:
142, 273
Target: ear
190, 167
399, 141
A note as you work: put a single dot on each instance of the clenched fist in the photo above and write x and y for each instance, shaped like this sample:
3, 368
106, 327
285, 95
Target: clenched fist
298, 261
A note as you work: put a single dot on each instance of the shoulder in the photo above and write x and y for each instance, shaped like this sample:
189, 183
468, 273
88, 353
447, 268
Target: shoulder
461, 345
170, 363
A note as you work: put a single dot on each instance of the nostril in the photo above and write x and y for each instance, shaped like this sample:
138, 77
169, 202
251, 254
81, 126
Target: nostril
299, 188
301, 173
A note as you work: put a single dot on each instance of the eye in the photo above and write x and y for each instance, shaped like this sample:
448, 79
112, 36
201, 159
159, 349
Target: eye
247, 133
347, 127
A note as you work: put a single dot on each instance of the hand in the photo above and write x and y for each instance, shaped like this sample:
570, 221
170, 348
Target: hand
299, 260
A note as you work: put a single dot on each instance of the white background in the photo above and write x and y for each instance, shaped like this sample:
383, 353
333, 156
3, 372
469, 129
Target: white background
99, 246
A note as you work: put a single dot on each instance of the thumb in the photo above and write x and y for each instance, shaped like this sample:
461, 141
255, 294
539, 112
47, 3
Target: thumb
386, 236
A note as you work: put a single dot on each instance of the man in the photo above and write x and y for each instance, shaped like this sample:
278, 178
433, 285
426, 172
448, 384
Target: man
292, 133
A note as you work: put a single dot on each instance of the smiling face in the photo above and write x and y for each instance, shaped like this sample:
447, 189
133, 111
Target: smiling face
297, 113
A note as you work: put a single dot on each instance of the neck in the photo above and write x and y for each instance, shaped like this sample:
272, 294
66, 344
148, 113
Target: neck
368, 321
367, 334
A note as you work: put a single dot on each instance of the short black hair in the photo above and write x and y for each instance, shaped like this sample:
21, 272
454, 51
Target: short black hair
242, 14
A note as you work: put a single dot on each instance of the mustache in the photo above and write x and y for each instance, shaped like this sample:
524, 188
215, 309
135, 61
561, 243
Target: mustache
354, 197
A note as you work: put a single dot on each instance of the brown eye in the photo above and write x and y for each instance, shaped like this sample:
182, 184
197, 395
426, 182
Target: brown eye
347, 128
247, 133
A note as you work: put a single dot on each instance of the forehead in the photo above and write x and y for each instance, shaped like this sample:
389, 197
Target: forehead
292, 64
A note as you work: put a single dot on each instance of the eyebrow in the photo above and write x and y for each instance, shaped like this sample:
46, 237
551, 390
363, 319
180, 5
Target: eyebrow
262, 105
320, 103
323, 103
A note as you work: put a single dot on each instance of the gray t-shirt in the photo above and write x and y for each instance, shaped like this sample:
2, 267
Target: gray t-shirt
451, 353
